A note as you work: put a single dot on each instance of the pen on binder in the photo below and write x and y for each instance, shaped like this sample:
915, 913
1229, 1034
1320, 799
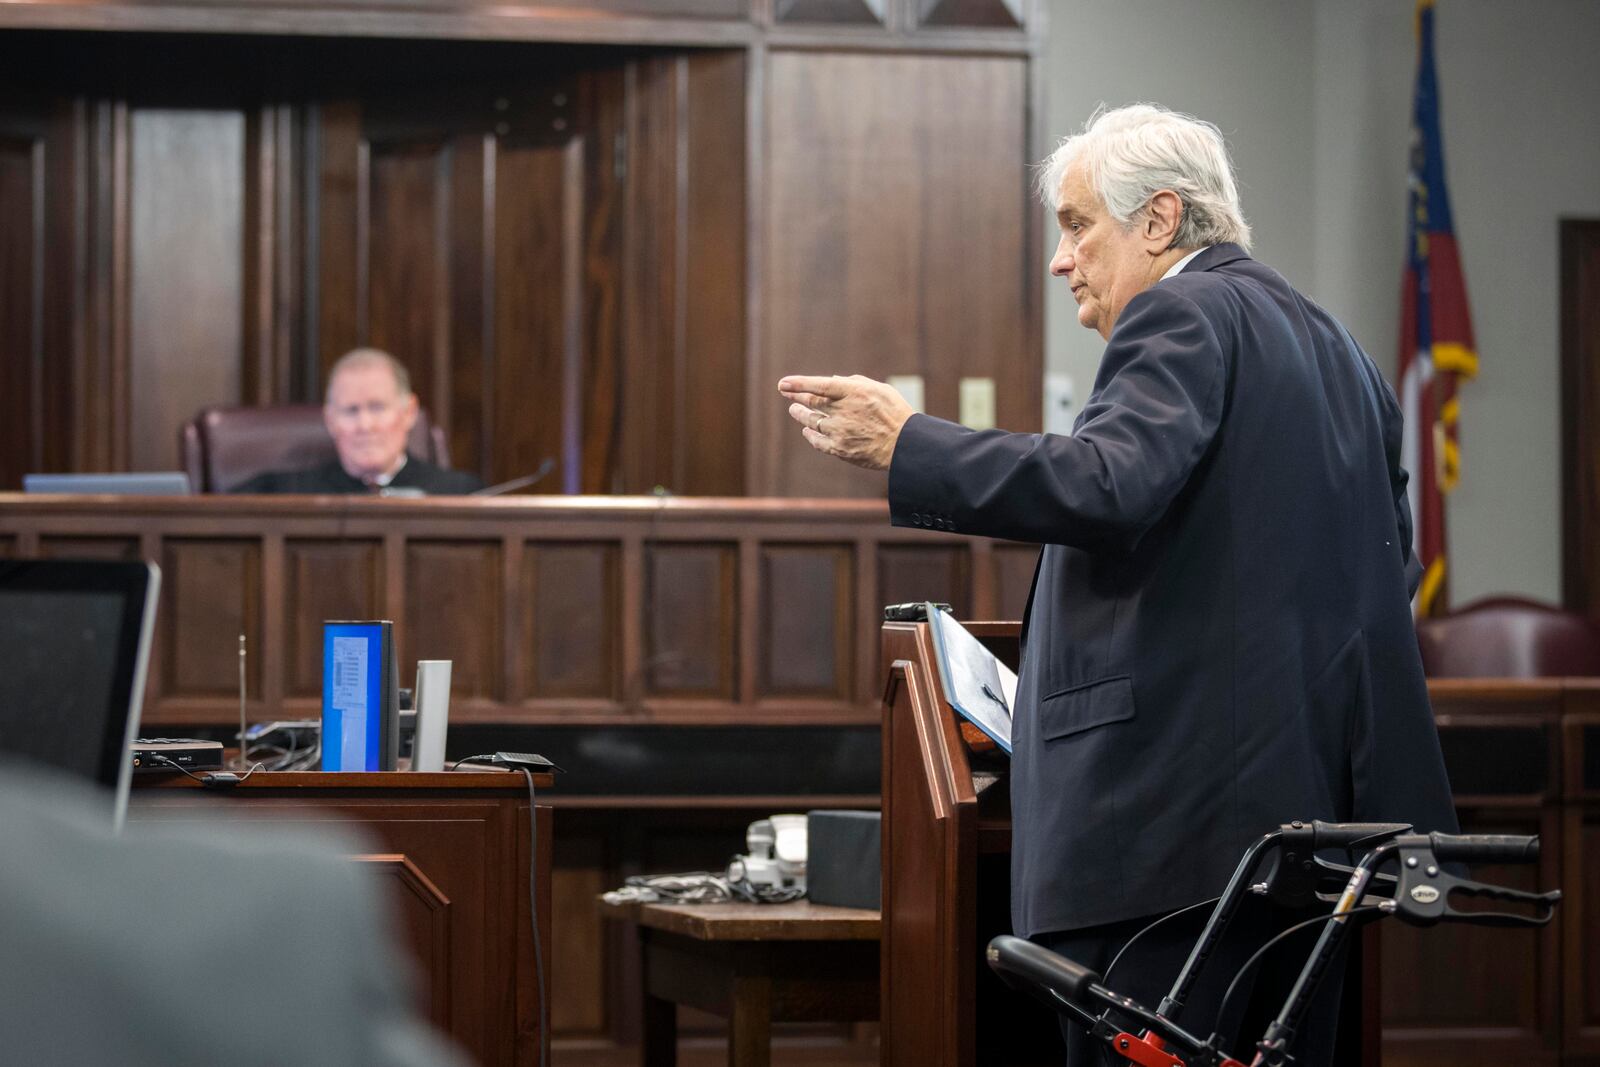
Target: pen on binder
996, 697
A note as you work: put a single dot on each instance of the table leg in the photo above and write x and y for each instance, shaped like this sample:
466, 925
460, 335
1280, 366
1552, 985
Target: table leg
660, 1047
750, 1024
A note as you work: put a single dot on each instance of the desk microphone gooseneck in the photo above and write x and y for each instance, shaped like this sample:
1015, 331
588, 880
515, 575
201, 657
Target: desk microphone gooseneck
517, 483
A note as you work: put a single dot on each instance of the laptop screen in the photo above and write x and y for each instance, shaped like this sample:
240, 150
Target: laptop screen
76, 639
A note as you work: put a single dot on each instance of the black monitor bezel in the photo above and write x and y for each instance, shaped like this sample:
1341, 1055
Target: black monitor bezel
136, 583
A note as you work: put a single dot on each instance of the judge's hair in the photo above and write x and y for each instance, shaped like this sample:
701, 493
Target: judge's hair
1131, 153
363, 357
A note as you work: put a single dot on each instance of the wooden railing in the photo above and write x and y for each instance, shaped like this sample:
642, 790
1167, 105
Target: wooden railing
572, 610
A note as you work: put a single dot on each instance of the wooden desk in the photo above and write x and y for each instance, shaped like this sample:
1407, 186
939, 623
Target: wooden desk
457, 849
753, 964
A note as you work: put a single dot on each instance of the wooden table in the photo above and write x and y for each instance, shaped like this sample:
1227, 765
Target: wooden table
753, 964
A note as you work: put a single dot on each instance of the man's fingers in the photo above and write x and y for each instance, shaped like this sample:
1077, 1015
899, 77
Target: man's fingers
829, 388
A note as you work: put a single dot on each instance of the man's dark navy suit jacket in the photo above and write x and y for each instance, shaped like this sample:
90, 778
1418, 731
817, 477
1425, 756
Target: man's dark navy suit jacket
1219, 637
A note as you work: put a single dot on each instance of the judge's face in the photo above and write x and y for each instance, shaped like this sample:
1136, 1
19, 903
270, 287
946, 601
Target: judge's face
368, 418
1106, 263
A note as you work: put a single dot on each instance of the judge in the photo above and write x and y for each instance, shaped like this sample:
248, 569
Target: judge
369, 411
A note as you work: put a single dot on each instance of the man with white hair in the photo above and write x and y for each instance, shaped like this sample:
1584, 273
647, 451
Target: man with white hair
1219, 636
369, 412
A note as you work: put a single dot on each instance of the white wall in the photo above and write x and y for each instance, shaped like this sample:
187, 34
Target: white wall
1315, 96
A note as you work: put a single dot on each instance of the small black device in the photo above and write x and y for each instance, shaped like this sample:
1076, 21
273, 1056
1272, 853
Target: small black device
531, 760
843, 858
175, 753
915, 611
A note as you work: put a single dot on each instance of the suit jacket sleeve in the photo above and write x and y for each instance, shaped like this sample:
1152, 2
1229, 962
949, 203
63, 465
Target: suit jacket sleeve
1157, 404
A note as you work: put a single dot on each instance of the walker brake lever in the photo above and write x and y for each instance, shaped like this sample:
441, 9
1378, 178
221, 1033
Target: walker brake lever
1423, 898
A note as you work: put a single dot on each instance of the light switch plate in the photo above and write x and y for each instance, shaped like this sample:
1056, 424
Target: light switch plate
910, 387
977, 403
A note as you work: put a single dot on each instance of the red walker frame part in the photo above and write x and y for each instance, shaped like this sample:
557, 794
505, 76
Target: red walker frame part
1152, 1052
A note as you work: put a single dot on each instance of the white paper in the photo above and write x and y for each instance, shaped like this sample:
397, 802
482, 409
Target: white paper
976, 684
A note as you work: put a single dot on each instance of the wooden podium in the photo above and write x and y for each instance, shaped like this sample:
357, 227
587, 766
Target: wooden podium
946, 875
946, 882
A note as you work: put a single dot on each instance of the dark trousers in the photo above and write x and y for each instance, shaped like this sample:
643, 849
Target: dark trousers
1147, 970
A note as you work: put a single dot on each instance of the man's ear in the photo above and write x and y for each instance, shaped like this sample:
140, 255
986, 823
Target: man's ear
1162, 215
411, 407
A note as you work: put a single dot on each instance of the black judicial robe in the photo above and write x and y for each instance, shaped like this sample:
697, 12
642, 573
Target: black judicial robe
330, 477
1219, 637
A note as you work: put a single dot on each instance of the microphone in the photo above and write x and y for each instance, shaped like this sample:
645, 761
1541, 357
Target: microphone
517, 483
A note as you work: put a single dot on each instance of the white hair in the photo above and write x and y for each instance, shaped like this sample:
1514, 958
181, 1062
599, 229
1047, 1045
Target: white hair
1131, 153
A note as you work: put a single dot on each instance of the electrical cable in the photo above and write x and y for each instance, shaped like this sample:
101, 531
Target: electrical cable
533, 910
1316, 920
211, 778
1106, 978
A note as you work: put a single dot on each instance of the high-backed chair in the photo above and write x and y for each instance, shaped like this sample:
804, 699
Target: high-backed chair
223, 447
1509, 637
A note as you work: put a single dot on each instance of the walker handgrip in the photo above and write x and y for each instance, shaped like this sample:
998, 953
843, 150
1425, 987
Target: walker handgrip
1484, 848
1345, 834
1013, 958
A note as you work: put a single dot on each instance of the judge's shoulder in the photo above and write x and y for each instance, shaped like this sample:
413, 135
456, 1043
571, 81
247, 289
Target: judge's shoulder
331, 478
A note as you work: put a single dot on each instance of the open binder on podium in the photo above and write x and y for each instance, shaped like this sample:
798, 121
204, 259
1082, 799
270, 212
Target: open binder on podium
981, 688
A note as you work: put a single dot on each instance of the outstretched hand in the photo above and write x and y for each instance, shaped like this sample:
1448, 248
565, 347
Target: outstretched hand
854, 418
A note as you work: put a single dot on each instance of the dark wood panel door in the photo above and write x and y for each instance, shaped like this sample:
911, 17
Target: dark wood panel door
896, 242
1580, 414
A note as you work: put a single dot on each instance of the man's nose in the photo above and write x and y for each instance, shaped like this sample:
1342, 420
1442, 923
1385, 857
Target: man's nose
1061, 263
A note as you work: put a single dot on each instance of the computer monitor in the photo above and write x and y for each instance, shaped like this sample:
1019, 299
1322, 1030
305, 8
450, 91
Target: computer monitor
74, 645
136, 483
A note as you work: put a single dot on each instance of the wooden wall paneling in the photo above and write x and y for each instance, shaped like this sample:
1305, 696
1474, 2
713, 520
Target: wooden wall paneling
211, 591
881, 169
807, 614
579, 1004
650, 266
8, 548
65, 165
324, 579
1457, 993
1580, 908
463, 407
711, 439
336, 291
1580, 414
100, 349
452, 611
407, 277
835, 12
272, 370
186, 278
991, 14
73, 546
1463, 992
1579, 914
423, 914
537, 204
570, 603
691, 620
940, 573
600, 107
23, 199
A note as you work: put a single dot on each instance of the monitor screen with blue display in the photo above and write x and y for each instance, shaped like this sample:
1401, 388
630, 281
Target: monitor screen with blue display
360, 716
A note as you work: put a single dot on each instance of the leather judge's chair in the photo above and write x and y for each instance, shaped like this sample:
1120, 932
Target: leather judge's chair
223, 447
1509, 637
